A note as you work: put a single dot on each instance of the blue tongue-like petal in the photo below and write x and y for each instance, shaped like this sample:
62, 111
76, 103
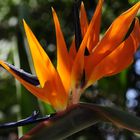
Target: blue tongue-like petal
34, 118
32, 79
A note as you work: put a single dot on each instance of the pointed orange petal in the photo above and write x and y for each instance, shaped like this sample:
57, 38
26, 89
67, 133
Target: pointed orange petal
95, 33
117, 60
43, 66
116, 33
113, 63
83, 19
112, 38
78, 65
63, 60
47, 94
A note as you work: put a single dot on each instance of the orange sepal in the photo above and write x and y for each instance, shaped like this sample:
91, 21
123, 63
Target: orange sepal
45, 94
43, 66
83, 19
95, 32
112, 38
63, 60
117, 60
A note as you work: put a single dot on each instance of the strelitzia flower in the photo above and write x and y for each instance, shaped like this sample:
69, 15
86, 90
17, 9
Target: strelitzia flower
88, 60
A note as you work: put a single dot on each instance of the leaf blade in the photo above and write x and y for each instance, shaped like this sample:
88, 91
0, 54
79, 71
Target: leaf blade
79, 117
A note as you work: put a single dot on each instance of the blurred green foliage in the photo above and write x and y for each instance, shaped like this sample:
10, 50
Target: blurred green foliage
37, 14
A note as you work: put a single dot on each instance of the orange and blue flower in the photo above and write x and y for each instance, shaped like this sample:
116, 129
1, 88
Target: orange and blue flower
76, 70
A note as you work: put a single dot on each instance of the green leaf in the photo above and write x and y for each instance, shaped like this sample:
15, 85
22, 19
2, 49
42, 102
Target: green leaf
78, 117
115, 116
63, 124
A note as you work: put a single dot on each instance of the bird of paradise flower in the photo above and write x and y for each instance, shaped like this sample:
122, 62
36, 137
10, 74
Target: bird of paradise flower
76, 70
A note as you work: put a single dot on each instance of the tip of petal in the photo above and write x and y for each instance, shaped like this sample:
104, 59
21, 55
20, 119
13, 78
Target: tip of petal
24, 23
82, 4
23, 20
53, 11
